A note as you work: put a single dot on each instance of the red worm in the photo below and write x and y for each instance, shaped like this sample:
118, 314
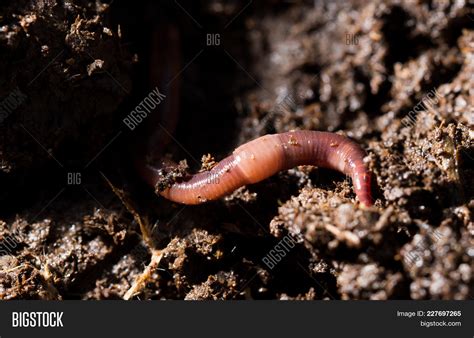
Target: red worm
263, 157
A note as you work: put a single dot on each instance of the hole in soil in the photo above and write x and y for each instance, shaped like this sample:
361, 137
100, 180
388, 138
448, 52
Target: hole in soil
398, 26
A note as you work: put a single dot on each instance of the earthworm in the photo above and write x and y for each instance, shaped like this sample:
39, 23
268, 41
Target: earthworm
263, 157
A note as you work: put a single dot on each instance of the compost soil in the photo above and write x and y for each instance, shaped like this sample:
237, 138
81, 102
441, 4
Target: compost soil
76, 221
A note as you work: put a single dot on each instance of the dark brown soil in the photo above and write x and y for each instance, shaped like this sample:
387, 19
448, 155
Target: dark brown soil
76, 222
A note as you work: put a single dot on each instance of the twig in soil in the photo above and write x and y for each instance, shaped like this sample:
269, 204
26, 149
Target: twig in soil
344, 235
144, 228
141, 280
383, 220
156, 255
47, 279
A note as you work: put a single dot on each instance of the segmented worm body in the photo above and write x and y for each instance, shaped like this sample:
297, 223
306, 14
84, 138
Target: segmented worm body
263, 157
